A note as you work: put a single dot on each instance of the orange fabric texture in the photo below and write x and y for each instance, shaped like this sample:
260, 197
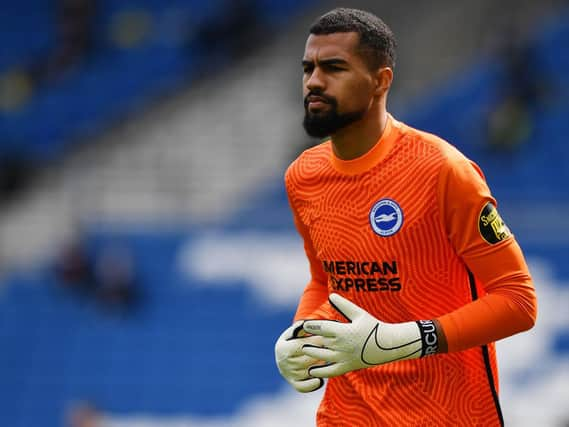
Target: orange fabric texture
450, 258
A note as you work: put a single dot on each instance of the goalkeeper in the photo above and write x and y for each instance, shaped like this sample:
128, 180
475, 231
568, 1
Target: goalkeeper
414, 274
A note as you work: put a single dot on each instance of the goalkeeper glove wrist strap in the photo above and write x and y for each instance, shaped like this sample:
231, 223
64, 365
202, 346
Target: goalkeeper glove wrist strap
429, 337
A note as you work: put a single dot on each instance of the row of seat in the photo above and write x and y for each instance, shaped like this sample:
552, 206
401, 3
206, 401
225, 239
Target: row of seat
114, 80
193, 348
461, 112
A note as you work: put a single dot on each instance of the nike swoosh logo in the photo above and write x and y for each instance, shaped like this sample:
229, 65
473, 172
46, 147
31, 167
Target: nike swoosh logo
374, 353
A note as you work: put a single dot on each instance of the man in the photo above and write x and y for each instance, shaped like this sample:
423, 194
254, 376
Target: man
408, 255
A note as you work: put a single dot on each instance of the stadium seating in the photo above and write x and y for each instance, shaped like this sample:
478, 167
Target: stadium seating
188, 347
124, 72
458, 113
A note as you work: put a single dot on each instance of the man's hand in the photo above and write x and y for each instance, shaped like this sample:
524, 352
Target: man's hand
293, 364
365, 341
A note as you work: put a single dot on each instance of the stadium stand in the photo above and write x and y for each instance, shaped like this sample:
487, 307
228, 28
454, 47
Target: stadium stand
133, 59
176, 352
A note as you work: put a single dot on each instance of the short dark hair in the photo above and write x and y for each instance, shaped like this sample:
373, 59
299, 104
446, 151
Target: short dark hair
377, 42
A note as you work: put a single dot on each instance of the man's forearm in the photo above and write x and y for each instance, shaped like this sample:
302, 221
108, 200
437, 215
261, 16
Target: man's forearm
492, 317
314, 303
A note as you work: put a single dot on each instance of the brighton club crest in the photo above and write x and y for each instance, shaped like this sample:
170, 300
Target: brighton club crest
386, 217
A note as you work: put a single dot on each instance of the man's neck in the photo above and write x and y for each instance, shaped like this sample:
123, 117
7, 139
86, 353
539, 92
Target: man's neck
356, 139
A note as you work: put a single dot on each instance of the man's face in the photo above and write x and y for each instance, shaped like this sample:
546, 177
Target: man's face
338, 86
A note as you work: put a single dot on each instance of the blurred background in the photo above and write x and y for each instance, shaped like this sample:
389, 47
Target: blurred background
148, 260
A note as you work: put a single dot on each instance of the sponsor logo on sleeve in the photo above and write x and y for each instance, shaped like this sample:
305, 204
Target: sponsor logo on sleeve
491, 225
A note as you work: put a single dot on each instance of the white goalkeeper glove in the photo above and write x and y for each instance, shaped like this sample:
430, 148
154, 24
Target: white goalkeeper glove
293, 364
365, 341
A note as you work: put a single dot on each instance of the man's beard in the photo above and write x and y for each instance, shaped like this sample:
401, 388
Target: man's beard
327, 123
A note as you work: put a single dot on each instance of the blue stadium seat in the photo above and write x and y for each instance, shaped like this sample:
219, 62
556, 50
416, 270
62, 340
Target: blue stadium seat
170, 355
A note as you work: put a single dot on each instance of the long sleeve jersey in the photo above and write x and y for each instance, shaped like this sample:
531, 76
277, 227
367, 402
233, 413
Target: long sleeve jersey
410, 231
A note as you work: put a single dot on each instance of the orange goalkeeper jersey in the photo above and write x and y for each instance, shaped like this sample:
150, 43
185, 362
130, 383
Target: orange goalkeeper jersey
410, 231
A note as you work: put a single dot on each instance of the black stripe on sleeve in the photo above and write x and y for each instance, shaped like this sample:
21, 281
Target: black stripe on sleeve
486, 357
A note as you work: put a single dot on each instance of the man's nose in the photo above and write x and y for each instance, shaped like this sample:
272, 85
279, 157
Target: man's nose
315, 81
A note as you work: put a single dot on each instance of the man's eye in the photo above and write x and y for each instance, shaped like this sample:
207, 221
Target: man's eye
335, 68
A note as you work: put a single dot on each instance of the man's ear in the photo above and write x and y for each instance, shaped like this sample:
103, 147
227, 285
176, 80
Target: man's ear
384, 78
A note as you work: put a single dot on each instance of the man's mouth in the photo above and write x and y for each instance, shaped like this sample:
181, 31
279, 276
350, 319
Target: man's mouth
316, 102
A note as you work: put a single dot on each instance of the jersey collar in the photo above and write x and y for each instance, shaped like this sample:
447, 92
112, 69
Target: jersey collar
375, 155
